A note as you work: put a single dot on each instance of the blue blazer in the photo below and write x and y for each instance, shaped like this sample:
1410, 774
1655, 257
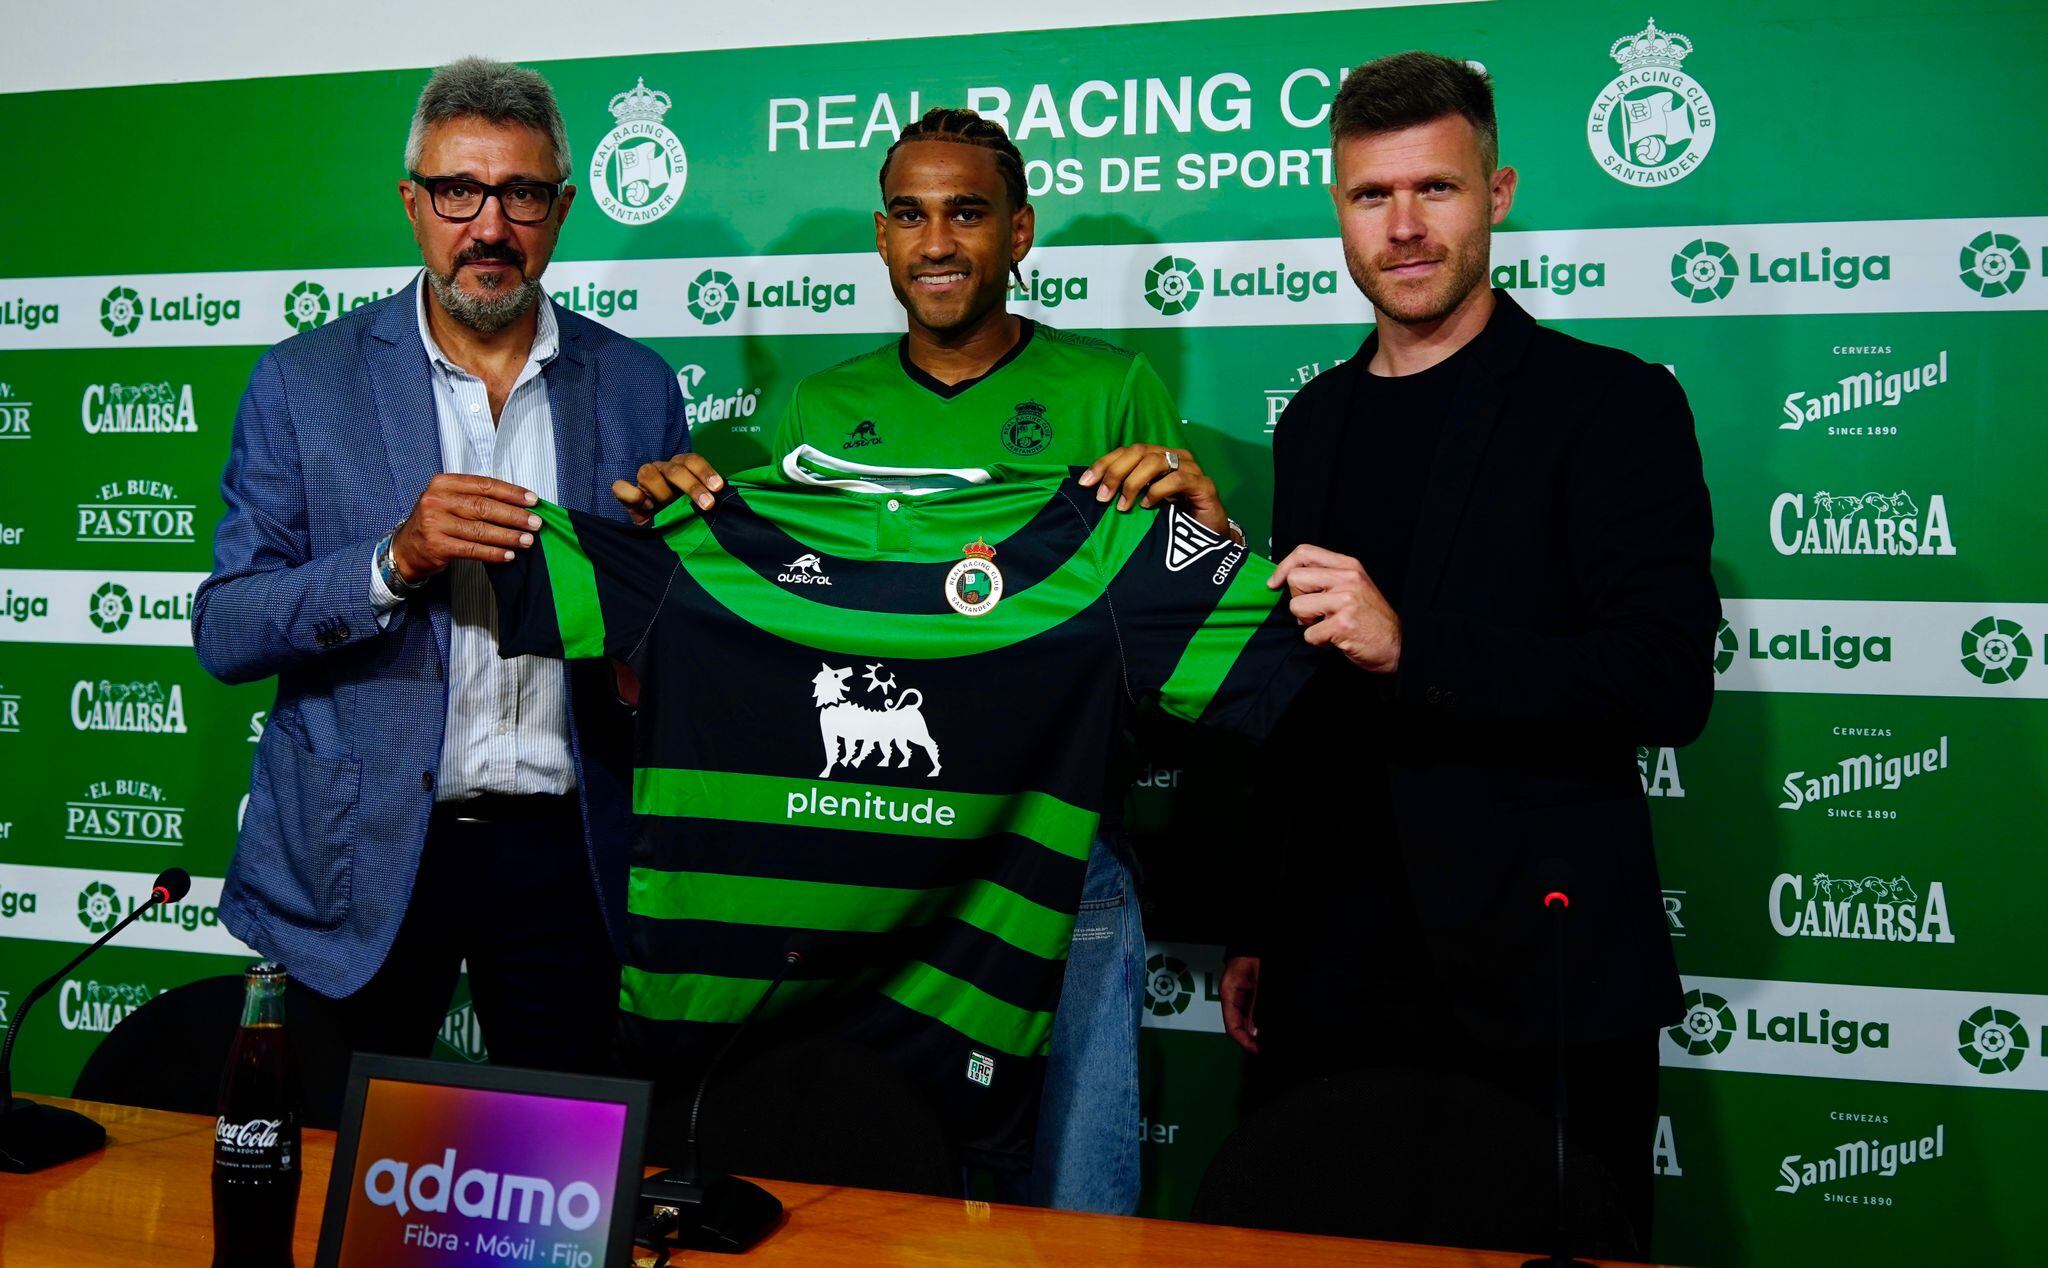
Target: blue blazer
334, 442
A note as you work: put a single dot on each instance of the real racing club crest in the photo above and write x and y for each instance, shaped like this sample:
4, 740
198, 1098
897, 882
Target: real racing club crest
974, 586
638, 170
1653, 123
1027, 433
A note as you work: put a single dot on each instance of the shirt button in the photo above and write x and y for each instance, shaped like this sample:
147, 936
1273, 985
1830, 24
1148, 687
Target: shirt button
894, 505
473, 407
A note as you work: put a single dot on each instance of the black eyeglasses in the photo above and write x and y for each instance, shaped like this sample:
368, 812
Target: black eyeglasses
459, 198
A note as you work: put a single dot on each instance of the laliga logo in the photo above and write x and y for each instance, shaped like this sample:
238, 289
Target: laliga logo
480, 1194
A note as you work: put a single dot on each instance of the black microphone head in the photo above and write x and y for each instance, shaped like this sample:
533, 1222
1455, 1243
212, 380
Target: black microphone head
173, 883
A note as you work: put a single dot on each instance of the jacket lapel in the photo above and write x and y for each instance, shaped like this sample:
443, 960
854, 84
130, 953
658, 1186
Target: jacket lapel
1319, 459
1475, 410
405, 411
572, 400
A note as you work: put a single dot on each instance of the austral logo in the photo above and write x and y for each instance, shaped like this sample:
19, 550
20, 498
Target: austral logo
1996, 650
1994, 264
1869, 909
14, 414
1872, 523
1862, 391
1174, 284
123, 310
805, 570
1704, 270
1709, 1027
1169, 986
1653, 123
98, 1007
638, 170
119, 408
138, 707
863, 434
1865, 772
124, 812
136, 512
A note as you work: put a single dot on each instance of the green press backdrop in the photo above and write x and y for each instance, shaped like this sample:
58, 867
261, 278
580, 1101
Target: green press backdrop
1828, 220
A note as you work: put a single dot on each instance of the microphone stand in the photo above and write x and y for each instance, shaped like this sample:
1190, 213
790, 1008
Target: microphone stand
715, 1211
1560, 1255
34, 1136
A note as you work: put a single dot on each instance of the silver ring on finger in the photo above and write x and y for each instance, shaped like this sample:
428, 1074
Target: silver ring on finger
1172, 460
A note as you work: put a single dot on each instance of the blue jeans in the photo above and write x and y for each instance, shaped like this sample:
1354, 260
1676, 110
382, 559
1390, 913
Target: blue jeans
1087, 1153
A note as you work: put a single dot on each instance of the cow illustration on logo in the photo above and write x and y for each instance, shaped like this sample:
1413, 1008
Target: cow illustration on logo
852, 732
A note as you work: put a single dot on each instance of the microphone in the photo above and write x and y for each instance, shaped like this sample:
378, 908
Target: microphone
716, 1212
33, 1135
1554, 878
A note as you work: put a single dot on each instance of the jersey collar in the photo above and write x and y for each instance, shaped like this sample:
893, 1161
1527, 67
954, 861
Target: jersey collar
1026, 327
807, 464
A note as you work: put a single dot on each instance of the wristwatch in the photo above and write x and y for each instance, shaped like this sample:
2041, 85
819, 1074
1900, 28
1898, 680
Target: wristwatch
1235, 530
387, 567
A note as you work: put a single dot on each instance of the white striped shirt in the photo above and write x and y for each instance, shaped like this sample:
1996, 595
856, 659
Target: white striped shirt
508, 720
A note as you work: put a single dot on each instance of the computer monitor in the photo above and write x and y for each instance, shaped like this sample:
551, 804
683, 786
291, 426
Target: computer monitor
439, 1165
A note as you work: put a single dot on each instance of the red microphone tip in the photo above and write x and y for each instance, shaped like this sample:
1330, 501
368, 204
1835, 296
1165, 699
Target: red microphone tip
160, 894
1559, 896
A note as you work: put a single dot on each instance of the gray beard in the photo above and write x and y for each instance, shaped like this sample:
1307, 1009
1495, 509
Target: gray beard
490, 314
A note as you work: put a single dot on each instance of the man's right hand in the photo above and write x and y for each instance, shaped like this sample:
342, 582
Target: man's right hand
657, 484
463, 517
1240, 991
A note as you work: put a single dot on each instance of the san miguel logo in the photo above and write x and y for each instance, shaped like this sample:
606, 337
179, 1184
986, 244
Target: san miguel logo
121, 408
1653, 123
1859, 392
1872, 523
1869, 909
136, 512
638, 170
1865, 772
1859, 1158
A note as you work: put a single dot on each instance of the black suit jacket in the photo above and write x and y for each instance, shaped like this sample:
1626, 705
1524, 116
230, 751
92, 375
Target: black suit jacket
1559, 611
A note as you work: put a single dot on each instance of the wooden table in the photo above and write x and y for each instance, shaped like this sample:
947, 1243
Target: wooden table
146, 1200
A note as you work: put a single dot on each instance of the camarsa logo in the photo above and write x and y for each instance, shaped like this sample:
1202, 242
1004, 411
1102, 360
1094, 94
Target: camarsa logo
121, 408
638, 170
1871, 523
1653, 123
138, 707
1866, 909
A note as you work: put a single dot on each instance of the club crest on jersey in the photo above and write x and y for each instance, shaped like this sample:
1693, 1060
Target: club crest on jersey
1027, 433
853, 732
1188, 539
974, 585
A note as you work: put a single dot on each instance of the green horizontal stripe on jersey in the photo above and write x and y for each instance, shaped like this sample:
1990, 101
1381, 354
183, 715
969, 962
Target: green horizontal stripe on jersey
734, 797
1021, 1032
571, 579
1216, 646
1068, 592
704, 997
827, 905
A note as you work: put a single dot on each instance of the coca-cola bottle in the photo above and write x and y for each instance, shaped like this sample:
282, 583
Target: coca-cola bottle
256, 1140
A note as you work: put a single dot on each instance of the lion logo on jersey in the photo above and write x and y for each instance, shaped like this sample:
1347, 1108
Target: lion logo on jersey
852, 732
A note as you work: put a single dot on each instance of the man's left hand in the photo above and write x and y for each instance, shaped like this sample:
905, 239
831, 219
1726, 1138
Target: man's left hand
1341, 607
1144, 475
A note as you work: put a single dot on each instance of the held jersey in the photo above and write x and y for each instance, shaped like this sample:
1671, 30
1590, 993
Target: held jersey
1055, 400
874, 725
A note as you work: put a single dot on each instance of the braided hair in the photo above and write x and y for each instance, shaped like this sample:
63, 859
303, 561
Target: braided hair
965, 127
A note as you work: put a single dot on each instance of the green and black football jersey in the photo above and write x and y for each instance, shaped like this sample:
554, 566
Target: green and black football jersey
875, 718
1056, 400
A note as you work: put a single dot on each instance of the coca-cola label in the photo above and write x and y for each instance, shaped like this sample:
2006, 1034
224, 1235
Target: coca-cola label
258, 1143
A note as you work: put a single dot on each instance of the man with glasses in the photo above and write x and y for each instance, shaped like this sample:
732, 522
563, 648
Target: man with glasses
416, 800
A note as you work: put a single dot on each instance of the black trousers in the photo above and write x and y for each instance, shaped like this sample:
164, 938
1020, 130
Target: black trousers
504, 884
1312, 1026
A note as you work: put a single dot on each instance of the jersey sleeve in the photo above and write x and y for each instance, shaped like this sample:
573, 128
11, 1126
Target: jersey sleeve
1146, 414
1198, 627
588, 587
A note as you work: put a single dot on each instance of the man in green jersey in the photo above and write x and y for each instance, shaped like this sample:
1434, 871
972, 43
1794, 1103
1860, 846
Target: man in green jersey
971, 384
